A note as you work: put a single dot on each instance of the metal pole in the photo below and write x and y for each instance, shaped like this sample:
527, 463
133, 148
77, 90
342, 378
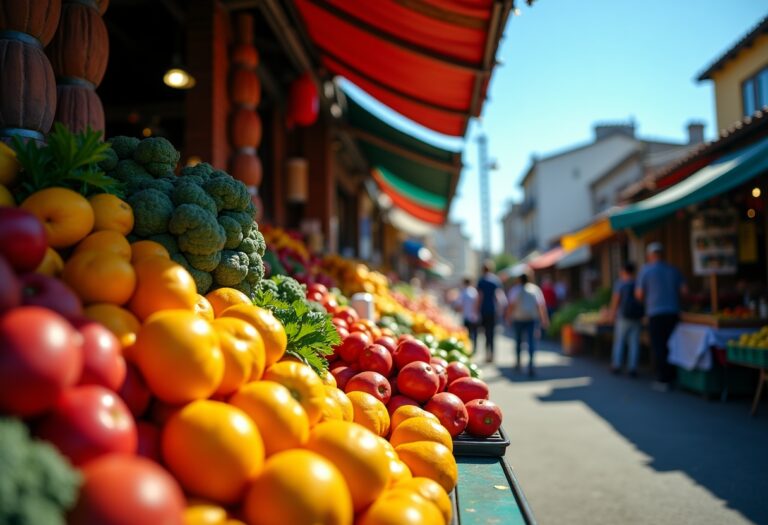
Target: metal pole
485, 198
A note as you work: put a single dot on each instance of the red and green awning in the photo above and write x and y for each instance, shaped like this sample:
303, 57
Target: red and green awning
429, 60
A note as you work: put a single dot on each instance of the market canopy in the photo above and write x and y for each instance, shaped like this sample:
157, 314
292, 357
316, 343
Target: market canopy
722, 175
429, 61
547, 259
595, 233
418, 177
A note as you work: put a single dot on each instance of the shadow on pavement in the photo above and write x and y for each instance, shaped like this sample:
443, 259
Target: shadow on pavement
716, 444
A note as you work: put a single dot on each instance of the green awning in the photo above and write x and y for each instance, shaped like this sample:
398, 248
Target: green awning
422, 176
722, 175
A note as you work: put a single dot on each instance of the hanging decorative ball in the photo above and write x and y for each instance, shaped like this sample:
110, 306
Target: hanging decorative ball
303, 102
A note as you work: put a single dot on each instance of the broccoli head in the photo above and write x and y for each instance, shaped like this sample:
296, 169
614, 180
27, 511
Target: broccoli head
232, 269
152, 211
124, 146
203, 280
200, 172
163, 185
197, 231
243, 219
233, 231
110, 160
187, 192
229, 193
261, 243
167, 240
129, 171
156, 150
244, 287
205, 263
290, 289
268, 286
255, 269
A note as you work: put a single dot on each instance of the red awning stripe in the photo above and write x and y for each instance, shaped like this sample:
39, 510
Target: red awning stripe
422, 213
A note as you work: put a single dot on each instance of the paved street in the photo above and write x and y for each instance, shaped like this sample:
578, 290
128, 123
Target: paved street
592, 448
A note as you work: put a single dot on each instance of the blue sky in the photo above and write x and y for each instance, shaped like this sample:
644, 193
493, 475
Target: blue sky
567, 64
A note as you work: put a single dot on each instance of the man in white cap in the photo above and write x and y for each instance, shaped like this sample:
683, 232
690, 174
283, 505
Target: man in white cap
660, 286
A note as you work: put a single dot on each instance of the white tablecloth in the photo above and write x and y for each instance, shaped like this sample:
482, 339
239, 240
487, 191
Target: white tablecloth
690, 343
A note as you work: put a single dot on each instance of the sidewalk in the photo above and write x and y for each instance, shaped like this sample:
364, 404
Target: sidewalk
592, 448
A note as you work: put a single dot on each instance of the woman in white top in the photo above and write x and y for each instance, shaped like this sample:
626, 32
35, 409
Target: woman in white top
526, 310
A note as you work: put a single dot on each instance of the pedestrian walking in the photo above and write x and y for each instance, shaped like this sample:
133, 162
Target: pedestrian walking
527, 311
466, 303
550, 295
490, 302
627, 315
660, 287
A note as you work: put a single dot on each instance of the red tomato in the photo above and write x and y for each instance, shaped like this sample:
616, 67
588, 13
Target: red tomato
457, 370
484, 417
317, 287
418, 380
102, 353
134, 391
450, 410
40, 357
126, 490
468, 388
88, 422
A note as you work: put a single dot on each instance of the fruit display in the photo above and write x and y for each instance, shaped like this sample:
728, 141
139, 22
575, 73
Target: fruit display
750, 348
270, 403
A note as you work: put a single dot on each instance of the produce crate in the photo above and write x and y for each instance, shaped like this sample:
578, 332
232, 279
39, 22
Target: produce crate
757, 357
488, 492
493, 446
736, 380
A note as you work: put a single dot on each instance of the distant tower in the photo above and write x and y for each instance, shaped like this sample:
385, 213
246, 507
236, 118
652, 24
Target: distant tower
485, 197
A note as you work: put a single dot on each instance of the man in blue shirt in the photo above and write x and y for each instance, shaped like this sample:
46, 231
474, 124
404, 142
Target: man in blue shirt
660, 286
488, 290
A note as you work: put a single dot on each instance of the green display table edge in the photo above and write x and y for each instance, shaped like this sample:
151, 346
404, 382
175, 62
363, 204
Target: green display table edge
488, 493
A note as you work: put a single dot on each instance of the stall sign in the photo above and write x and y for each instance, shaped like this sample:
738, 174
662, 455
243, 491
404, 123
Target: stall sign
714, 235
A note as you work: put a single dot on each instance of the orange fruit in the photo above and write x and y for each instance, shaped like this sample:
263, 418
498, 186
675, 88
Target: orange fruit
223, 298
203, 308
118, 320
303, 383
6, 198
357, 454
430, 460
270, 328
331, 410
370, 412
421, 429
199, 512
408, 411
143, 249
111, 213
106, 241
161, 284
100, 277
243, 352
213, 449
178, 354
52, 264
280, 418
431, 491
401, 507
328, 379
398, 472
66, 215
9, 165
347, 410
298, 486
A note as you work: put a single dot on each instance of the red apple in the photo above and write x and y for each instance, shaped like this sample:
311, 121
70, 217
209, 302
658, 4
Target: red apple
342, 374
351, 347
40, 356
23, 240
340, 323
103, 362
484, 417
387, 342
404, 337
409, 351
450, 410
468, 388
87, 422
134, 391
457, 370
372, 383
347, 314
41, 290
418, 380
317, 288
442, 374
10, 287
315, 296
149, 441
330, 304
376, 358
399, 400
439, 361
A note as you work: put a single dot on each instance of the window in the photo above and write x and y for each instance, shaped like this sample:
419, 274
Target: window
754, 92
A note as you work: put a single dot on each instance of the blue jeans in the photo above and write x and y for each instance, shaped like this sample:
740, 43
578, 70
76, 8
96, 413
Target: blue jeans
527, 329
626, 332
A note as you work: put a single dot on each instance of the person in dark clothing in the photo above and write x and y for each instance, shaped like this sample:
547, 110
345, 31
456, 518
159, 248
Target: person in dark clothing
660, 286
489, 289
627, 315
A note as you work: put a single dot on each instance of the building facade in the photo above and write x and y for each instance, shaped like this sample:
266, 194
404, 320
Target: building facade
513, 230
454, 246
